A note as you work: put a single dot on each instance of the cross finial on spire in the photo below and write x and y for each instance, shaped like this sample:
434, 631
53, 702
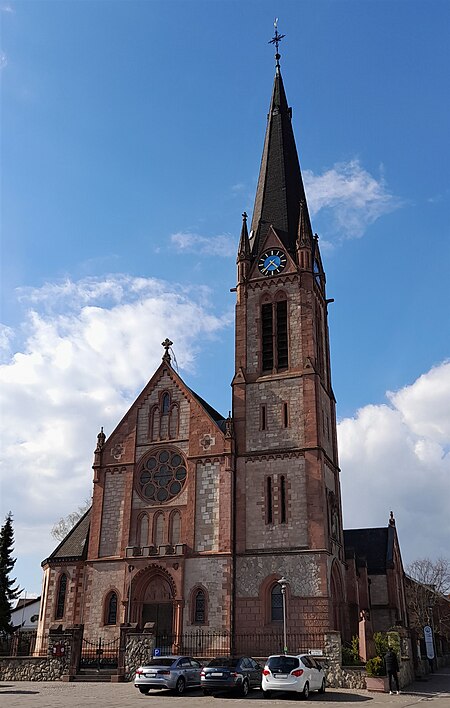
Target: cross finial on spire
166, 344
276, 39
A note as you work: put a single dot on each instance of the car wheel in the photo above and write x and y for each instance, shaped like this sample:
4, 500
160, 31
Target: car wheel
206, 692
305, 692
180, 686
245, 688
322, 688
144, 690
266, 694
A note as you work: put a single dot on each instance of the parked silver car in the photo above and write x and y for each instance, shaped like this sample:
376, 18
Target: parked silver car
173, 672
299, 673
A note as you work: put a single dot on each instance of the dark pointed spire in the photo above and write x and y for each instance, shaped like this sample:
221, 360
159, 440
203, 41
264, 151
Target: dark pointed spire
280, 186
244, 246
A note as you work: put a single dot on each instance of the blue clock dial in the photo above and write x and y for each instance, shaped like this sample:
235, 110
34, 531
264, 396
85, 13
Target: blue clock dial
272, 262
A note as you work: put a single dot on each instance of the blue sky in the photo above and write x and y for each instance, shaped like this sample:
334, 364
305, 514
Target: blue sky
131, 139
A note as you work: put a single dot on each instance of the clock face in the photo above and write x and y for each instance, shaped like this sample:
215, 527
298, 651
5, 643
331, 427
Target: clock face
272, 261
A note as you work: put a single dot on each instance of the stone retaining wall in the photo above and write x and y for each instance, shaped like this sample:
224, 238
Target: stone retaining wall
29, 668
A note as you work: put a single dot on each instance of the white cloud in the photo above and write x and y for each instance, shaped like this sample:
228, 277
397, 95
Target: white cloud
350, 196
223, 245
397, 457
88, 349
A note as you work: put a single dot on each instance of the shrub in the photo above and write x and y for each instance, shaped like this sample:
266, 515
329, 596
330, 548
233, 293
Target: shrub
375, 667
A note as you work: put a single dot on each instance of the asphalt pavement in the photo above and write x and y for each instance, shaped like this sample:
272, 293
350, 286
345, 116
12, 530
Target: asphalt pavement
434, 690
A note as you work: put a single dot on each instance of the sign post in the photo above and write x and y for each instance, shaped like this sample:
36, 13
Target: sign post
429, 643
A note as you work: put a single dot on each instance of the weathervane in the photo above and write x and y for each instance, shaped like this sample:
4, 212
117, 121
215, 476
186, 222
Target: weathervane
276, 39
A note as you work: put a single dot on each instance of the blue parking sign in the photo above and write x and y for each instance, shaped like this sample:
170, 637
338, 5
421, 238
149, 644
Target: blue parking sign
156, 652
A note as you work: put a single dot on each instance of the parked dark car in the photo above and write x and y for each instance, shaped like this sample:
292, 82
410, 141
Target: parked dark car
231, 673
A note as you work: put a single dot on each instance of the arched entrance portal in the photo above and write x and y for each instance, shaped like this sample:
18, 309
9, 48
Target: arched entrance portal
154, 598
158, 605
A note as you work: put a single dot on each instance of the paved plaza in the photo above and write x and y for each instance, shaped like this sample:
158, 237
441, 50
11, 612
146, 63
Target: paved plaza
435, 690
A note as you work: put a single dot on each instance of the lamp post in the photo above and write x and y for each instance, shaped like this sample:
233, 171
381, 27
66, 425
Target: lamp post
130, 570
284, 583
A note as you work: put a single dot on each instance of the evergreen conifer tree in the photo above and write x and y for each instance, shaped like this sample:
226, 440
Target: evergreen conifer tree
8, 589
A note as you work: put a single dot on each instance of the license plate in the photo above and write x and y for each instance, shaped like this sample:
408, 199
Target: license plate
216, 673
150, 675
281, 676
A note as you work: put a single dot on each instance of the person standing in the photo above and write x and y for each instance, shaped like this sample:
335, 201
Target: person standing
392, 668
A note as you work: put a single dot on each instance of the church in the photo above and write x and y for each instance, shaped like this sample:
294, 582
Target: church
196, 516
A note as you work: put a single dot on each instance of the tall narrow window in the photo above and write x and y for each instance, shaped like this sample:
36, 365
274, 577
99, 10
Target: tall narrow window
282, 335
267, 336
158, 530
175, 528
263, 417
276, 604
165, 404
154, 425
274, 336
285, 415
61, 599
173, 422
111, 609
282, 500
269, 503
199, 607
142, 538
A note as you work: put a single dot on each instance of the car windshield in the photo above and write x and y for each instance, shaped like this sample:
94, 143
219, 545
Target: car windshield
284, 664
161, 662
227, 661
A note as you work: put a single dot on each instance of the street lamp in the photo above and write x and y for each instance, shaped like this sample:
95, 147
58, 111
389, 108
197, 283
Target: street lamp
130, 570
284, 583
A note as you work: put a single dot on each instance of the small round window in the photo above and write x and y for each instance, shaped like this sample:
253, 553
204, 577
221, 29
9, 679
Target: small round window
162, 476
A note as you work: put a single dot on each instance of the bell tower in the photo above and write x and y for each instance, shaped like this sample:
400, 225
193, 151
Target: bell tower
287, 491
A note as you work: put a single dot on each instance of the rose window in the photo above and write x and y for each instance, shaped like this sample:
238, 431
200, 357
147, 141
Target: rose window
162, 476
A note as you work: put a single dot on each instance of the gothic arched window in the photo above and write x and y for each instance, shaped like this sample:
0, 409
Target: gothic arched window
154, 423
274, 335
165, 404
142, 538
173, 422
61, 597
276, 604
175, 528
158, 530
111, 609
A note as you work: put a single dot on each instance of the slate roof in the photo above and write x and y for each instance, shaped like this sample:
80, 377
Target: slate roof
373, 545
74, 546
280, 186
215, 415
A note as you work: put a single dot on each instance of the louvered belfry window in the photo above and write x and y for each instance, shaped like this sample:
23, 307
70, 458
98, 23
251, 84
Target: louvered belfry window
267, 337
282, 335
274, 336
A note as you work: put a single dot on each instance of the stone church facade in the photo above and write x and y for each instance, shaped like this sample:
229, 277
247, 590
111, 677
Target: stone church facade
196, 516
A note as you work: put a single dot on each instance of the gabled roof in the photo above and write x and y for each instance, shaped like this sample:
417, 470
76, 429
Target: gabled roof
374, 545
74, 546
280, 185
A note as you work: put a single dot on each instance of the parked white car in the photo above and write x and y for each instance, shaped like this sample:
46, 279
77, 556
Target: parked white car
299, 673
